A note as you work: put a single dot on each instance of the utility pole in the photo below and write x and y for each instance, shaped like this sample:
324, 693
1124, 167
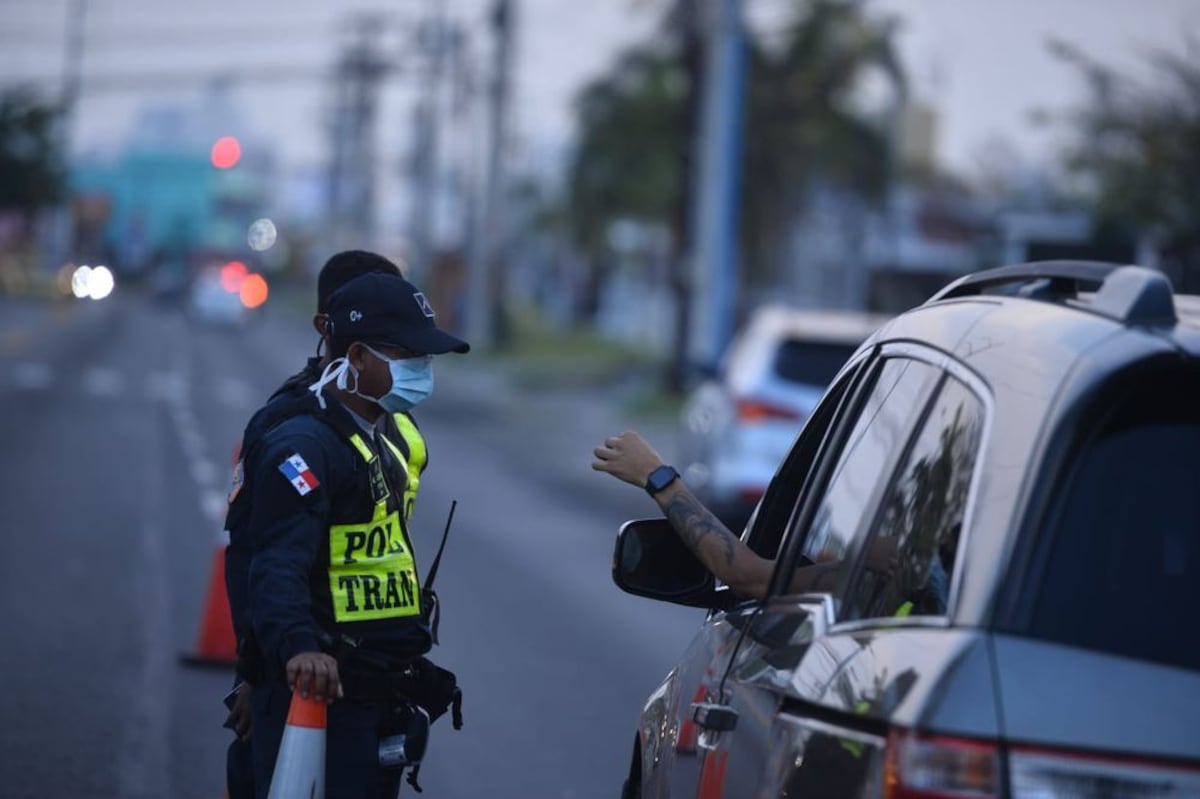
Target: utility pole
715, 240
434, 39
691, 56
72, 80
482, 283
360, 68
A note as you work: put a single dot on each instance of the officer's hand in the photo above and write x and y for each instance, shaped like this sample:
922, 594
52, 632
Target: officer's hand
627, 457
315, 673
239, 714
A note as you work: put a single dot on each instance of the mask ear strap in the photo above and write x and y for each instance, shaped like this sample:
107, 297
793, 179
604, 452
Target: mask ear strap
336, 370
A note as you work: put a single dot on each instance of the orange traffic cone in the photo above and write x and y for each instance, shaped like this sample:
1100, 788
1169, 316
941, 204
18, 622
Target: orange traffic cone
216, 645
300, 764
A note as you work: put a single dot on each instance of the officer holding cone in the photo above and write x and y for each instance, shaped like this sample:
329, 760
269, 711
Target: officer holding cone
334, 593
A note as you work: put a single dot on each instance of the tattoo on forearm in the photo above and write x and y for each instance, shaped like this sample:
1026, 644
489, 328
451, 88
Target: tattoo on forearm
696, 523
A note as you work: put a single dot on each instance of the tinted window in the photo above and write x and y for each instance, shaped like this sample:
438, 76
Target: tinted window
1123, 567
772, 514
922, 514
878, 433
813, 363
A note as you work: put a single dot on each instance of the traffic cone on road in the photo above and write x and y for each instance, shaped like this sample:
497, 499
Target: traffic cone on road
300, 764
216, 645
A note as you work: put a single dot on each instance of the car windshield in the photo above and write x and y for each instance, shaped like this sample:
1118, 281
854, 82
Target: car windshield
812, 363
1123, 573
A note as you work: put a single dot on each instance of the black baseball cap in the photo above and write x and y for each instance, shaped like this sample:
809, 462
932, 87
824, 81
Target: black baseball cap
387, 309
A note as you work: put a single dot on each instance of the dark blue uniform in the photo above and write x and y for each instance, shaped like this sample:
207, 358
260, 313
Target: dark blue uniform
331, 562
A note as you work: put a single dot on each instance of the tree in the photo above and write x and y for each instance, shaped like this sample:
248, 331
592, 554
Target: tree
636, 126
31, 168
1138, 144
625, 165
802, 127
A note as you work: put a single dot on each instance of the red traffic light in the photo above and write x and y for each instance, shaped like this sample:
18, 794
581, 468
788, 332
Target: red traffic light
226, 152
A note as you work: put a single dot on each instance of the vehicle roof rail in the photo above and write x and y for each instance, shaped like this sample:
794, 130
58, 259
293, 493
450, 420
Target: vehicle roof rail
1137, 295
1129, 294
1060, 274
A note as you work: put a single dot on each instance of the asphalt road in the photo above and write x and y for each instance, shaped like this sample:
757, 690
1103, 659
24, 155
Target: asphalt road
117, 422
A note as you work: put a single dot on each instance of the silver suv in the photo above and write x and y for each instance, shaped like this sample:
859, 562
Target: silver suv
1030, 441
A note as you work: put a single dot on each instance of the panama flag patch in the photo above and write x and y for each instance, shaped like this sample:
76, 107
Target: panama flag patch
298, 474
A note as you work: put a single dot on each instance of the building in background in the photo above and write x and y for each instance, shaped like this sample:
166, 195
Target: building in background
183, 190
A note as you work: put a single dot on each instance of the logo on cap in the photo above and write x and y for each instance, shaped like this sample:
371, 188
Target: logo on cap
355, 316
423, 304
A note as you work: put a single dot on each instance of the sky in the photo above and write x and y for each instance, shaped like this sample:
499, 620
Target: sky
983, 65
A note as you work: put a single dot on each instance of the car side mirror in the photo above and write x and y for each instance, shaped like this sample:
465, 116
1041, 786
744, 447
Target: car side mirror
651, 560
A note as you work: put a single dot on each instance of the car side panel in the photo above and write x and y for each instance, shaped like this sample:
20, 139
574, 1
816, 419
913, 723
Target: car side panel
929, 678
1074, 698
671, 758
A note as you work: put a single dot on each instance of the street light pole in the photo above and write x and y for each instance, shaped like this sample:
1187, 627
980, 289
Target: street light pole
72, 80
715, 250
482, 282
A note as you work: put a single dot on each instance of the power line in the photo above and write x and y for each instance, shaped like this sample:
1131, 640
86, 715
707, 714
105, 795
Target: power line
165, 37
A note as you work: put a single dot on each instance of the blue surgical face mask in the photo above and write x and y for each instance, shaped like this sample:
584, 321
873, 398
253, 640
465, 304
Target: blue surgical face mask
412, 382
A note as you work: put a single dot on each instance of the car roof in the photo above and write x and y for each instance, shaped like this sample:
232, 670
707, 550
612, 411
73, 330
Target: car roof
1079, 300
849, 327
1040, 337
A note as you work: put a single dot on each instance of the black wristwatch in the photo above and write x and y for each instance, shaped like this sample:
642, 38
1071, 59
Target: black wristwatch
660, 478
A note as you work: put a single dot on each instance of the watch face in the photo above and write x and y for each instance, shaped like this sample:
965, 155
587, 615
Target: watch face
661, 477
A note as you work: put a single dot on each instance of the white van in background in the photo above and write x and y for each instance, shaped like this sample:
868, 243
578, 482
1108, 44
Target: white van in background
737, 427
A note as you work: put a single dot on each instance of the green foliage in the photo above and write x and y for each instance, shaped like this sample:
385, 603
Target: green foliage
626, 164
1140, 143
800, 128
31, 171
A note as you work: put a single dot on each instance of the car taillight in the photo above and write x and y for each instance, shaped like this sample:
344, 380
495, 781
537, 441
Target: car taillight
938, 767
755, 411
750, 496
1057, 775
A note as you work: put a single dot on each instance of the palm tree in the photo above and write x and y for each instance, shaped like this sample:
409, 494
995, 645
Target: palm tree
801, 126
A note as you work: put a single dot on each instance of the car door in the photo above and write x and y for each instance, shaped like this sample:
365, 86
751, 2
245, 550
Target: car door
779, 651
668, 737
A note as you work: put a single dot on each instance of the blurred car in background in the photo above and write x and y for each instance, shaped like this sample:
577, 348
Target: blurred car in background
226, 295
738, 426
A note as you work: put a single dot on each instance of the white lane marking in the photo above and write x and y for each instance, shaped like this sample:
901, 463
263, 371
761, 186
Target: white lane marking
214, 506
32, 376
192, 441
203, 472
145, 734
169, 386
102, 382
233, 393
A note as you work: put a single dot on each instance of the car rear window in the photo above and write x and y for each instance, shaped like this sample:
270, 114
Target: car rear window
1123, 567
813, 363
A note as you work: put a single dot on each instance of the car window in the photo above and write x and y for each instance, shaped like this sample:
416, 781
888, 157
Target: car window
767, 525
1122, 569
922, 513
863, 463
812, 363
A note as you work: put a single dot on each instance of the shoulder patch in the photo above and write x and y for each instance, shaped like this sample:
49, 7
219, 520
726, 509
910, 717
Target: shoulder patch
298, 474
239, 479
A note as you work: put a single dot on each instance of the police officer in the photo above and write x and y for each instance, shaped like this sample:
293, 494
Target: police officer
336, 272
333, 592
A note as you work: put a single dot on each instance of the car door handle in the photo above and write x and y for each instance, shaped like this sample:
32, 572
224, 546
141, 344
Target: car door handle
713, 717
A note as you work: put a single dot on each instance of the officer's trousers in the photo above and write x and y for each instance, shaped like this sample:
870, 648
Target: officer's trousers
352, 769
